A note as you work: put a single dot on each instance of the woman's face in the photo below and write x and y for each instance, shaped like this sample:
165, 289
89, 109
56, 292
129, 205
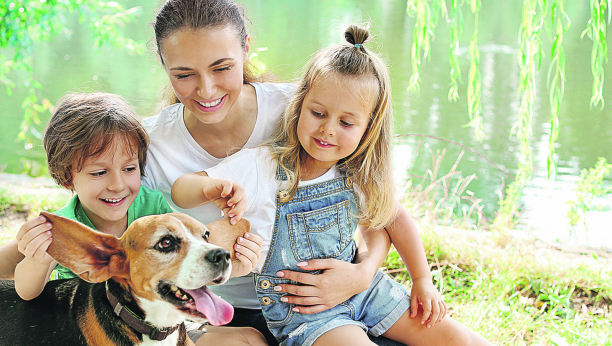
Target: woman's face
205, 67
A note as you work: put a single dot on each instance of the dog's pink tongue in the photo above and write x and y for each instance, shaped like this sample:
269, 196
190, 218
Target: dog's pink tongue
216, 310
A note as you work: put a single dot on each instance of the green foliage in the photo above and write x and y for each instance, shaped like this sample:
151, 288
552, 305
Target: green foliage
589, 189
559, 23
14, 201
443, 198
474, 90
529, 59
26, 203
426, 14
25, 23
596, 29
515, 293
456, 30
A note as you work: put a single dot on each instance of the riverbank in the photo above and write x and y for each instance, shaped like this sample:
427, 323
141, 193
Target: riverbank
33, 194
510, 287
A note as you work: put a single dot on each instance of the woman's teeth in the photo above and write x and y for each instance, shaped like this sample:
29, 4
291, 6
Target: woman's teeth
210, 104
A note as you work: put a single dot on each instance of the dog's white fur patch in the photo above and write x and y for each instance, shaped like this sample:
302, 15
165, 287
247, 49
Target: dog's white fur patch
194, 273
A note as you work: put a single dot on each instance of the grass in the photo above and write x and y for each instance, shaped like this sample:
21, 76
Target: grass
27, 205
512, 291
518, 294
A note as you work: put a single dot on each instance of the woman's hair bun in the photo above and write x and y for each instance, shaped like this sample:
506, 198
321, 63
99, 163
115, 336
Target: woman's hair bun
356, 35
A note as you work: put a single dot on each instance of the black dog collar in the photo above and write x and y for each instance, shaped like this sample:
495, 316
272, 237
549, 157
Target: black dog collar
135, 322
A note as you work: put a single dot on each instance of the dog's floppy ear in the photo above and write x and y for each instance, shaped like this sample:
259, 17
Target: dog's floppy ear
224, 234
92, 255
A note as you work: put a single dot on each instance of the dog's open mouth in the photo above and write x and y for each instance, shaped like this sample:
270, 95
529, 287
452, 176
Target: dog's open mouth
200, 302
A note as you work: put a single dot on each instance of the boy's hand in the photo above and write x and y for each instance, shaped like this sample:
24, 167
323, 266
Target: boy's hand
248, 254
34, 238
227, 196
425, 294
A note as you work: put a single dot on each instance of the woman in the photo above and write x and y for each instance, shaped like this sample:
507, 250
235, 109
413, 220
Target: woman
203, 46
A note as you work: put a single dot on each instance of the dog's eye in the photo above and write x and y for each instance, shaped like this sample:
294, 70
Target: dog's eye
206, 235
166, 244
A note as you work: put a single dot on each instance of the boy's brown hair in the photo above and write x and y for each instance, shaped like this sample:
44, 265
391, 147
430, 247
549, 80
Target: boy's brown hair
86, 125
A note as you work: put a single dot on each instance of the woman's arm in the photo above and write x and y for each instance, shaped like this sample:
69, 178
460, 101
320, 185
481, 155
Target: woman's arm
338, 280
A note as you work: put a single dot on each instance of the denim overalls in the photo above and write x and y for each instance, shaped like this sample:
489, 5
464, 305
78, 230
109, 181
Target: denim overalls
320, 222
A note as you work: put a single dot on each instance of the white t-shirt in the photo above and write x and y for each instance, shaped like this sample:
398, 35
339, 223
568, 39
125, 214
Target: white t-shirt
174, 152
255, 170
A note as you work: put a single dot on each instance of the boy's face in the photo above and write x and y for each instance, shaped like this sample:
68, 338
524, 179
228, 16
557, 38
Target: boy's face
107, 185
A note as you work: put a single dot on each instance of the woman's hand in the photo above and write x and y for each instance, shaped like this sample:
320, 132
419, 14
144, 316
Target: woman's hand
337, 282
425, 294
248, 254
33, 240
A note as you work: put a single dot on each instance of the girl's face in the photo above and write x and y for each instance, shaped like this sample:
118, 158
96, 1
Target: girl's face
335, 114
205, 67
107, 185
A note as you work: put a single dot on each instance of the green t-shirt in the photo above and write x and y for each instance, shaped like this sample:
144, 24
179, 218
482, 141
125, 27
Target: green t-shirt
148, 202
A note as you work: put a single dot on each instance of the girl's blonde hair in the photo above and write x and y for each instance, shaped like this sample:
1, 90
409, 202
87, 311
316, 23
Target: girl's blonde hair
369, 166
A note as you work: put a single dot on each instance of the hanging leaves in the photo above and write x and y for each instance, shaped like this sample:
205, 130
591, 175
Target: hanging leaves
474, 91
426, 14
559, 23
596, 30
25, 23
529, 59
456, 30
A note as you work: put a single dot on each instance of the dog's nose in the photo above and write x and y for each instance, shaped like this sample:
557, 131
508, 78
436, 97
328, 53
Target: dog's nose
218, 256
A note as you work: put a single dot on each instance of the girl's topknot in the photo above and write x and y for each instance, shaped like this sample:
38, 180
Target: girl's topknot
356, 35
369, 165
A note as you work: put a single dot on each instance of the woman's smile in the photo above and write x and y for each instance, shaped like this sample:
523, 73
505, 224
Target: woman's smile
211, 106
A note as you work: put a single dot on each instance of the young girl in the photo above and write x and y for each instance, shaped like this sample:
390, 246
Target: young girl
330, 169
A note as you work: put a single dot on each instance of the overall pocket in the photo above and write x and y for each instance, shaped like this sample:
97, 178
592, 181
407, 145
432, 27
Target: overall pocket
321, 233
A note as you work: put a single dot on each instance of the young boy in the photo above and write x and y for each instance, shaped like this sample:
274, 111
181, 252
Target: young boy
97, 148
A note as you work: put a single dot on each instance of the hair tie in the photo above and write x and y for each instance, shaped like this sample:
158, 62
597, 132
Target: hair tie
358, 45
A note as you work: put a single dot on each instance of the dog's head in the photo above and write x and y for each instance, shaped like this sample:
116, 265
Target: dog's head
164, 259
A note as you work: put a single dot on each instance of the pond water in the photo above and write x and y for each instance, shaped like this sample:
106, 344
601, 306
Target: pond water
285, 33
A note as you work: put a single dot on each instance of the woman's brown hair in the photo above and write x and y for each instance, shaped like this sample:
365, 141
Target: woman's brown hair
176, 15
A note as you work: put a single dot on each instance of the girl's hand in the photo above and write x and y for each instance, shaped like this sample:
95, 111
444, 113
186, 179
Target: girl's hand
248, 254
337, 282
227, 196
425, 294
33, 240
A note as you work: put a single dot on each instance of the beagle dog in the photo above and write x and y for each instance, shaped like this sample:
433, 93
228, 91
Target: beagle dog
133, 290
